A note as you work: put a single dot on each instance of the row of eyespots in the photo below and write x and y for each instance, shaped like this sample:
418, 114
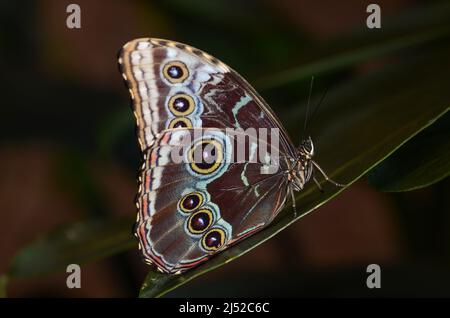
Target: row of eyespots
180, 104
201, 220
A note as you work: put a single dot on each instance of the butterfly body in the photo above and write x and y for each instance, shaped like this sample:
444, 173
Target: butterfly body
186, 101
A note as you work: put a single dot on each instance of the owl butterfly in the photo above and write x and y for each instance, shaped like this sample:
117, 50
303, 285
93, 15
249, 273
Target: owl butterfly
191, 209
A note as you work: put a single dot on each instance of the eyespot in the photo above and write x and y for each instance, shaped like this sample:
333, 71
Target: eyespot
205, 156
180, 122
200, 221
175, 72
191, 202
213, 239
181, 104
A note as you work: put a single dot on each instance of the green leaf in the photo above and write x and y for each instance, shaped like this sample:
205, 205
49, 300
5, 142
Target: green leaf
3, 285
421, 162
413, 29
363, 122
76, 243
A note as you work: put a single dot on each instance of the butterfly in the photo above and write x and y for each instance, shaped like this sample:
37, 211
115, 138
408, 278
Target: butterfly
190, 210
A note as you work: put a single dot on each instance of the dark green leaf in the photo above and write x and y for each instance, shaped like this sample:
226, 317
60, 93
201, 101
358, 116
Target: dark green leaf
421, 162
413, 29
73, 244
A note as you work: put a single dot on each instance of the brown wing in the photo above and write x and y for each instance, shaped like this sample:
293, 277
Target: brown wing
158, 71
177, 90
233, 199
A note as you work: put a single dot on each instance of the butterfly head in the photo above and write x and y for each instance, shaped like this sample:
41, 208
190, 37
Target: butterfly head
304, 166
301, 168
306, 149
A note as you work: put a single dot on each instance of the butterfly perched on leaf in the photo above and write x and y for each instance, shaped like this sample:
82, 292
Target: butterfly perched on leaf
191, 209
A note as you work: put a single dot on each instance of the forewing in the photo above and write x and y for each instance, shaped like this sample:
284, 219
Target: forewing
165, 76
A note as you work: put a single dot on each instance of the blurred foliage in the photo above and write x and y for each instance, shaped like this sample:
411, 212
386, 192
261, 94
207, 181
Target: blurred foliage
406, 31
420, 163
3, 283
381, 117
76, 243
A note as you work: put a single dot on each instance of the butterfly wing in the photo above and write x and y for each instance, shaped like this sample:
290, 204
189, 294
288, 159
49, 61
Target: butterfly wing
175, 85
176, 91
189, 211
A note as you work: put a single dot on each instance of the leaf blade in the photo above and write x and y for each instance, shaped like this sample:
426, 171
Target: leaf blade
75, 243
377, 129
421, 162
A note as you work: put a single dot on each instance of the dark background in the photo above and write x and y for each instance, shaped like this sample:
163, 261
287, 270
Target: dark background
68, 148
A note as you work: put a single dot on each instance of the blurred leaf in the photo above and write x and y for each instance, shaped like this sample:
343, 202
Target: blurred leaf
421, 162
363, 122
74, 176
113, 128
76, 243
418, 27
3, 285
246, 24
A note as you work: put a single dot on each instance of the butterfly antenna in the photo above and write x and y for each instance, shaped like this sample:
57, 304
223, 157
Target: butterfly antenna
307, 104
322, 98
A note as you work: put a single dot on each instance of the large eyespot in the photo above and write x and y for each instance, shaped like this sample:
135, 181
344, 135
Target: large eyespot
180, 122
175, 72
213, 239
200, 221
191, 202
181, 104
205, 156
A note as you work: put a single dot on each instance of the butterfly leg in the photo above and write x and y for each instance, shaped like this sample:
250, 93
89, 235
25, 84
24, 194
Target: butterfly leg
291, 190
318, 184
326, 177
